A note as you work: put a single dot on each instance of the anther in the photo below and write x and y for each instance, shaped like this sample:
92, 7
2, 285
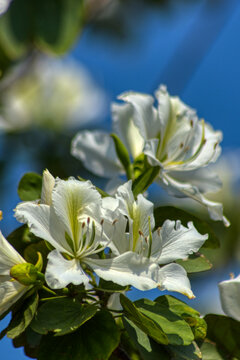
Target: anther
101, 222
114, 221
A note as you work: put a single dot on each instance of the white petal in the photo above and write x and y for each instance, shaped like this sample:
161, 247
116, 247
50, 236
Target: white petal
4, 4
61, 272
181, 189
10, 292
204, 179
73, 201
8, 256
97, 152
230, 295
150, 150
179, 241
43, 223
126, 269
138, 212
173, 277
48, 183
127, 131
144, 114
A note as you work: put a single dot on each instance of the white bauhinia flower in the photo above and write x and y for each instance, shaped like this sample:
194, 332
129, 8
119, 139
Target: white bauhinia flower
230, 295
171, 136
10, 289
163, 246
73, 97
74, 224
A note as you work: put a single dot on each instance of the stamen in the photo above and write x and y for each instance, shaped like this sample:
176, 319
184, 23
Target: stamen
114, 221
150, 237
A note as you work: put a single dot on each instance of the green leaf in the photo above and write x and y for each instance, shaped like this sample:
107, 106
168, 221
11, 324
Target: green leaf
148, 348
16, 28
147, 325
172, 213
23, 317
123, 155
195, 263
62, 316
30, 187
95, 340
109, 286
142, 183
210, 352
175, 328
190, 352
57, 24
225, 333
30, 341
190, 315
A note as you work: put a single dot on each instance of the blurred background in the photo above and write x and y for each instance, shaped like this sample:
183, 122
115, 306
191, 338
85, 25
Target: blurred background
62, 63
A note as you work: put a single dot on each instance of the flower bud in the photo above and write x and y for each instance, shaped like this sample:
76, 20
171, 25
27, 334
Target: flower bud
27, 274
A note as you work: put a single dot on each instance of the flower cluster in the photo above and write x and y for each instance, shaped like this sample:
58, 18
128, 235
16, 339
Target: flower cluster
170, 136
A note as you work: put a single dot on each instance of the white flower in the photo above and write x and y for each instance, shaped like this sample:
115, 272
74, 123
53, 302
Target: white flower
163, 246
10, 289
230, 295
72, 224
171, 136
4, 4
72, 97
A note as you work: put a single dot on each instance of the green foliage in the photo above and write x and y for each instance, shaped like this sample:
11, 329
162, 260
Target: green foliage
50, 25
123, 155
62, 316
142, 183
190, 315
147, 325
225, 332
96, 339
210, 352
109, 286
22, 317
176, 329
190, 352
147, 347
30, 187
195, 263
172, 213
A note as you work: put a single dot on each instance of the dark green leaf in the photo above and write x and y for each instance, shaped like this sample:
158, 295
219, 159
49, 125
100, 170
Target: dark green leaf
190, 352
58, 23
142, 183
123, 155
30, 187
177, 330
95, 340
109, 286
30, 341
172, 213
148, 348
195, 263
190, 315
23, 317
225, 332
21, 238
147, 325
16, 28
62, 316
